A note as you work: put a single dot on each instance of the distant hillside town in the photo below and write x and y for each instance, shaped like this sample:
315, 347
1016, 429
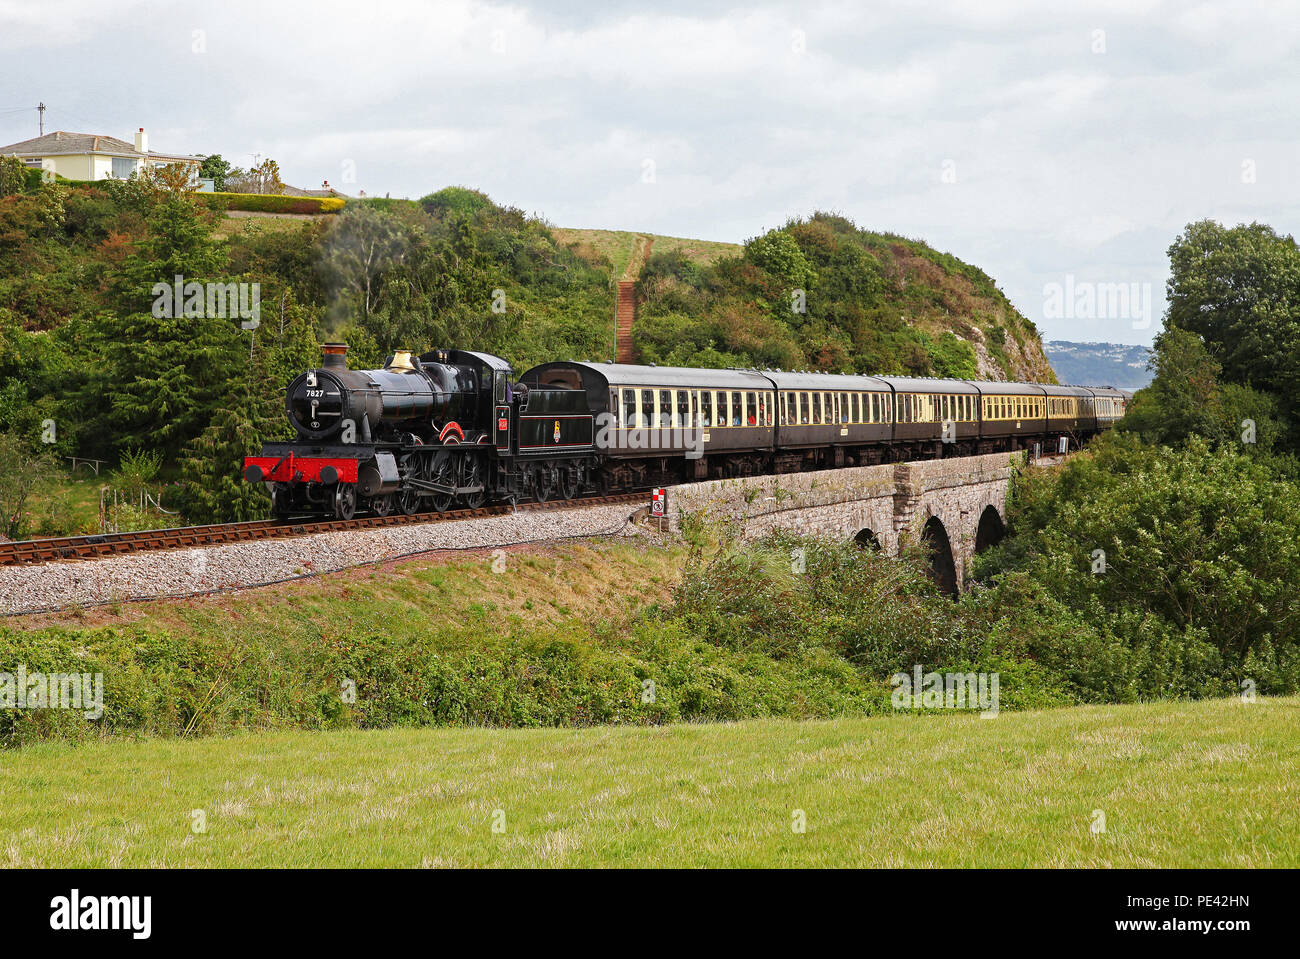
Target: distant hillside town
1113, 364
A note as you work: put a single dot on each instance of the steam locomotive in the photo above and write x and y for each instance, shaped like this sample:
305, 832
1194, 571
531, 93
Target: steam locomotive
452, 428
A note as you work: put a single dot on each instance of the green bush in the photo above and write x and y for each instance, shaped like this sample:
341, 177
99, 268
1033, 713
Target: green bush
271, 203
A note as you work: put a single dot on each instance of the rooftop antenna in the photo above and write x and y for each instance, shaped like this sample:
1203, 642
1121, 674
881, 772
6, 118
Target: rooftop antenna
40, 108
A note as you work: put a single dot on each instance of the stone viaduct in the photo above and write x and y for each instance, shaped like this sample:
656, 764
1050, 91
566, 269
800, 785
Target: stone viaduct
957, 506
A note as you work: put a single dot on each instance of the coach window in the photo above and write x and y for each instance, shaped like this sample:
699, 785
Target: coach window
647, 418
629, 407
706, 408
816, 408
751, 409
737, 411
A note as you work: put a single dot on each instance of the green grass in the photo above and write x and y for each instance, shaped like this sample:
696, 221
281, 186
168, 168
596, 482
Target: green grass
619, 246
455, 594
1212, 783
68, 505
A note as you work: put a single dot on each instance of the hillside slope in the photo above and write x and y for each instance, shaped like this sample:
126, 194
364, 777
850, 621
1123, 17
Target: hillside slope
871, 303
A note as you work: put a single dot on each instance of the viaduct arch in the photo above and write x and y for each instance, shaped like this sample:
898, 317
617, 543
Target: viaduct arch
955, 506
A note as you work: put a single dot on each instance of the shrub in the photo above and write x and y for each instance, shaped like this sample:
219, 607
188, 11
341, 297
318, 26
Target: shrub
271, 203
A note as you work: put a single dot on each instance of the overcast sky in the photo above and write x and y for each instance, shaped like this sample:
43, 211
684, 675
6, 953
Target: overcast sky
1046, 146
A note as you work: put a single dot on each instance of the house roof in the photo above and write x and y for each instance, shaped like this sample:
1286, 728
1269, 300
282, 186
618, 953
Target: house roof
288, 190
63, 143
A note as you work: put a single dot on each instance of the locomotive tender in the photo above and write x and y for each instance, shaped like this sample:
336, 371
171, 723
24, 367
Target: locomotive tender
451, 429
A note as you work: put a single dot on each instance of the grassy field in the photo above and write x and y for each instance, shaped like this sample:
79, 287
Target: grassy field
619, 246
1179, 784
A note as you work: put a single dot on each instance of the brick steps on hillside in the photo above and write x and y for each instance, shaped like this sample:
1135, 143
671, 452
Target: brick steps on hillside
623, 319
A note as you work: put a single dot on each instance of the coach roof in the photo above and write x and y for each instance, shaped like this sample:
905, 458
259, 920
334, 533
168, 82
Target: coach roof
827, 381
999, 388
683, 377
923, 384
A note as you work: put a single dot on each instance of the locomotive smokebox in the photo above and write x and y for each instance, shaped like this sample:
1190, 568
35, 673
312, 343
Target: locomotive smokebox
334, 356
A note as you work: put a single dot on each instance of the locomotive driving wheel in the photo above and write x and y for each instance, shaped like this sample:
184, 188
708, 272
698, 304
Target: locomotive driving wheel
472, 474
345, 501
408, 500
443, 472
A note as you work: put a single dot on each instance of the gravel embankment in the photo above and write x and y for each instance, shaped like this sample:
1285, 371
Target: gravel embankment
27, 589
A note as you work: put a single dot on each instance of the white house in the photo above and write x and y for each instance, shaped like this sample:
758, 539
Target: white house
85, 156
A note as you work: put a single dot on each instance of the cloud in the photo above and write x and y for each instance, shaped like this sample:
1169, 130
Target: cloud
1078, 141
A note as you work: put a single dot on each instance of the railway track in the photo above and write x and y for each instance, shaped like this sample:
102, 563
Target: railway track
33, 552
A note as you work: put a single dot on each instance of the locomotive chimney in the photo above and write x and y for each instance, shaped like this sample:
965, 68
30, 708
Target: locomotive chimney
334, 356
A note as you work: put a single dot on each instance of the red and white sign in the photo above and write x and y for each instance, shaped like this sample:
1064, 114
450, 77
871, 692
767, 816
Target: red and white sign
659, 502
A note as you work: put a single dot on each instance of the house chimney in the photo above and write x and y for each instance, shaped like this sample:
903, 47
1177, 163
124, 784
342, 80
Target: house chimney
141, 141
